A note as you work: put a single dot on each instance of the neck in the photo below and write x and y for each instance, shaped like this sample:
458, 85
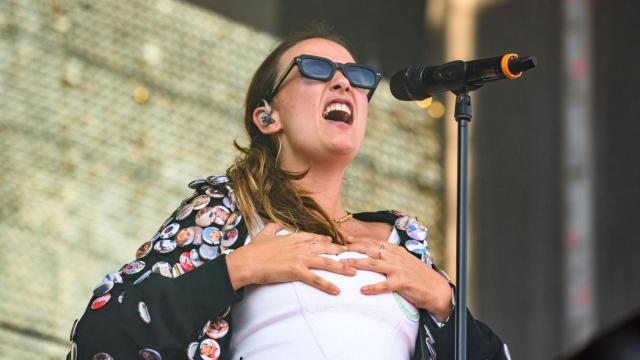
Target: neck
325, 186
323, 182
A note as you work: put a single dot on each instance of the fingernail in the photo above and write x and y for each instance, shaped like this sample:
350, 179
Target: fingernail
364, 290
335, 291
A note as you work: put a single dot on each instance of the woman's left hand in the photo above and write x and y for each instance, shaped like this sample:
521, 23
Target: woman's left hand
407, 275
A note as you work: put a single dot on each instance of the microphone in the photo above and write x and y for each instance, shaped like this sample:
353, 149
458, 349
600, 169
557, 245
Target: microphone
419, 82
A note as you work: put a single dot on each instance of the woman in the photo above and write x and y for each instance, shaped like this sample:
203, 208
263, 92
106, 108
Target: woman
315, 282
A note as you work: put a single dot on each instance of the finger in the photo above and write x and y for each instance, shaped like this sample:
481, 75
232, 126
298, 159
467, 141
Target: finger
311, 237
368, 264
359, 239
271, 228
378, 288
320, 283
327, 248
323, 263
368, 249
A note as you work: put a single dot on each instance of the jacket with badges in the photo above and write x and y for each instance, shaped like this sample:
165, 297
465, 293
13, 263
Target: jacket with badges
173, 301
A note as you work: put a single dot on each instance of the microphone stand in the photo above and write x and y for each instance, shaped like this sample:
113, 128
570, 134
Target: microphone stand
452, 76
463, 117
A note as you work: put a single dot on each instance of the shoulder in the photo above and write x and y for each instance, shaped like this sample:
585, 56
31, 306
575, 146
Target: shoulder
203, 226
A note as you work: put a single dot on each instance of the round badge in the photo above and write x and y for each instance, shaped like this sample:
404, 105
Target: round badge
217, 328
401, 223
232, 221
214, 193
185, 261
104, 287
211, 235
74, 351
205, 216
226, 312
429, 337
170, 230
166, 222
415, 247
184, 211
142, 277
432, 351
102, 356
221, 214
228, 202
164, 246
149, 354
114, 276
208, 252
416, 231
209, 349
230, 237
155, 237
120, 298
217, 179
144, 250
133, 267
200, 201
191, 350
197, 235
398, 213
177, 270
163, 268
100, 301
73, 330
196, 184
203, 332
144, 312
195, 258
185, 236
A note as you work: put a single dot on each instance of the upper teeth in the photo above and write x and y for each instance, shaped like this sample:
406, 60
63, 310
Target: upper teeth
336, 107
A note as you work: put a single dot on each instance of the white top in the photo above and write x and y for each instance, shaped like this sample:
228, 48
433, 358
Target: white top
297, 321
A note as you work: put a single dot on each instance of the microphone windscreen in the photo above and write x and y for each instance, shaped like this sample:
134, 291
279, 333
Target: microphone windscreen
398, 86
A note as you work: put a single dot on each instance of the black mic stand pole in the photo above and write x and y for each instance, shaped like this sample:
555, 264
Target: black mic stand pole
463, 117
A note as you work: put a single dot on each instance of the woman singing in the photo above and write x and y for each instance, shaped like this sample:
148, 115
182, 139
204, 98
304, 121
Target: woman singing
265, 262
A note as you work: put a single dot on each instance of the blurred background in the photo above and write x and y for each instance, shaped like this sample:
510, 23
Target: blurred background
109, 108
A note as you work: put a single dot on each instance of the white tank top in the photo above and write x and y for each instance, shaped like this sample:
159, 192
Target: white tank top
297, 321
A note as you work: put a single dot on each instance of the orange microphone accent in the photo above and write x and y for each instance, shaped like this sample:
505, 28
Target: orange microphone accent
504, 65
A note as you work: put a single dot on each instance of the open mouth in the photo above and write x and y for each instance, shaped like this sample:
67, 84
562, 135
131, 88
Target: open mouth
338, 112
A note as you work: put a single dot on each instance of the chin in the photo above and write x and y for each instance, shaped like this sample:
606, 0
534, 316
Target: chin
344, 148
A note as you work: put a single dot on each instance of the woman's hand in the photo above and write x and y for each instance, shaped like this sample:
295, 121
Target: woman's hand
406, 275
270, 258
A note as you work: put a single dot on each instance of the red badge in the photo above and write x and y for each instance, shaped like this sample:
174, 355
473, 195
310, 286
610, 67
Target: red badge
185, 261
100, 301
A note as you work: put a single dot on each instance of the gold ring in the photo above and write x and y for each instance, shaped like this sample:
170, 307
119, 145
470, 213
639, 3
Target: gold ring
380, 251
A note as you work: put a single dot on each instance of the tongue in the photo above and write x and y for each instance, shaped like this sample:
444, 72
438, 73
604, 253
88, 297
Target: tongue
337, 115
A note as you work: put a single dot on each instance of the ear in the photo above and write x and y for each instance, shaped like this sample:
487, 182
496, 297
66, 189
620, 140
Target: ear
272, 128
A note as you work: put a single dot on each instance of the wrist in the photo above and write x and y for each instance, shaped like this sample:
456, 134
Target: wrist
239, 271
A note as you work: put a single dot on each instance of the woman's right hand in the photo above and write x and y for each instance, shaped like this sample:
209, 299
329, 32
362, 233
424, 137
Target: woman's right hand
271, 258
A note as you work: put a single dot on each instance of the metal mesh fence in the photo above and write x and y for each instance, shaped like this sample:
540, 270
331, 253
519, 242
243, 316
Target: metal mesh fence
107, 110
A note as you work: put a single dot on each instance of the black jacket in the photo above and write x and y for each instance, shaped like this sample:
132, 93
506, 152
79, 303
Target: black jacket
160, 305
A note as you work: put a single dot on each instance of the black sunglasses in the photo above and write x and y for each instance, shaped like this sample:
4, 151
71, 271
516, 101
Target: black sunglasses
319, 68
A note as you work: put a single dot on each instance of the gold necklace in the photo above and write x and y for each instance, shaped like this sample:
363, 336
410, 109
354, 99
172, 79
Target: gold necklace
343, 219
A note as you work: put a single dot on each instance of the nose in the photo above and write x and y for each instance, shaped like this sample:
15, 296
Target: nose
340, 82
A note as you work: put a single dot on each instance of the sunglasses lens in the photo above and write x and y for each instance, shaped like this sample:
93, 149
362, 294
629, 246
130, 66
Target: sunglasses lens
316, 69
361, 76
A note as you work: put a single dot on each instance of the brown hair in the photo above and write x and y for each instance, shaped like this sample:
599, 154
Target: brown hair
261, 187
